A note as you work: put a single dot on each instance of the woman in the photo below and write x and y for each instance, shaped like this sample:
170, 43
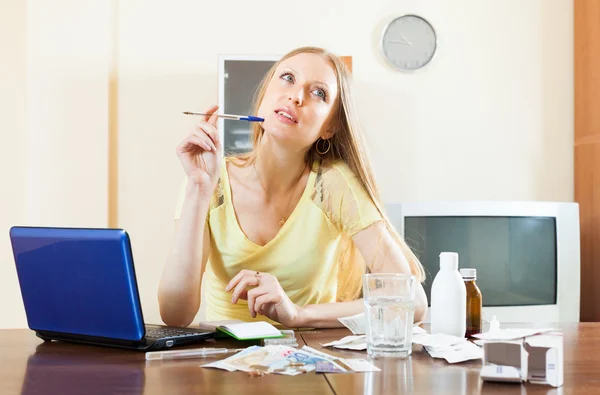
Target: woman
289, 228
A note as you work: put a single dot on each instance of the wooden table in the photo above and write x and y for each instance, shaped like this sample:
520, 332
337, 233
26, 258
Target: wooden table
29, 366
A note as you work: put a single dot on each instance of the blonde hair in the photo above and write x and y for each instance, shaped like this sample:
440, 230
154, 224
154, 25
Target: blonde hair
347, 144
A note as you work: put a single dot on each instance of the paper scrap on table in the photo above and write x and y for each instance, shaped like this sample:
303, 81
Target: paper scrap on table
451, 348
417, 330
357, 366
458, 352
355, 323
358, 342
437, 340
511, 333
361, 365
479, 342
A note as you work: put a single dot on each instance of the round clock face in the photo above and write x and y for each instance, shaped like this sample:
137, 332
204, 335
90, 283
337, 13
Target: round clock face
408, 42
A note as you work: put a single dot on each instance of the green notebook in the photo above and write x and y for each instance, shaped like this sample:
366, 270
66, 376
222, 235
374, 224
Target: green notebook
251, 330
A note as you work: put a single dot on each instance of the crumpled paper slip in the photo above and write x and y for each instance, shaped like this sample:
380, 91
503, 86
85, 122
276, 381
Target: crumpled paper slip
451, 348
456, 353
361, 365
417, 330
358, 342
356, 323
438, 340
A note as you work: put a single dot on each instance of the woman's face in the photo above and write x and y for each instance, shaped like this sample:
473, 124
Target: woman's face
299, 99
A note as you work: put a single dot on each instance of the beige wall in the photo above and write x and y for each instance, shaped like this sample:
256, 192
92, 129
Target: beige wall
13, 152
54, 147
490, 118
67, 107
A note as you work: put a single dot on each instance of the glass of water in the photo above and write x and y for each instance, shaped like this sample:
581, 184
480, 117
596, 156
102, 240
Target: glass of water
389, 309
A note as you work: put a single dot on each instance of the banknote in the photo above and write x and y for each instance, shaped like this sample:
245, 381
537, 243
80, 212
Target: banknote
321, 354
224, 364
277, 359
298, 361
338, 363
289, 361
346, 366
328, 367
351, 366
260, 356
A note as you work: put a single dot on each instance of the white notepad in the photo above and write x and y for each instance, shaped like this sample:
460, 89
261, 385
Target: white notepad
251, 330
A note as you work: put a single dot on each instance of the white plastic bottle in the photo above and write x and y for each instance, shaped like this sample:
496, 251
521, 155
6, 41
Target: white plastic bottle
449, 298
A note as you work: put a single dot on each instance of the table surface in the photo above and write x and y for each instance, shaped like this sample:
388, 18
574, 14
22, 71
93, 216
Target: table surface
29, 366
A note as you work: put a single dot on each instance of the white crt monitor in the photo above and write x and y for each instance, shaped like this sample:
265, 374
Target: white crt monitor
526, 253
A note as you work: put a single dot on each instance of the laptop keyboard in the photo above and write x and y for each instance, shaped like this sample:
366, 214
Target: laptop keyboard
171, 332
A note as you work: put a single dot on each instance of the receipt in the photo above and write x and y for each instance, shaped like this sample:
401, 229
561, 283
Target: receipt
458, 352
356, 323
349, 343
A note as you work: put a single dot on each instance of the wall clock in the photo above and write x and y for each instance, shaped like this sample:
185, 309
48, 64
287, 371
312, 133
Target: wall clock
408, 42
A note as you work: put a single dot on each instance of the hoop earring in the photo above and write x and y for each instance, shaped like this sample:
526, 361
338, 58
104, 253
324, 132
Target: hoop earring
323, 152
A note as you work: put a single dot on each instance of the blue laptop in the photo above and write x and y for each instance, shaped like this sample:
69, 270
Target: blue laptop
79, 285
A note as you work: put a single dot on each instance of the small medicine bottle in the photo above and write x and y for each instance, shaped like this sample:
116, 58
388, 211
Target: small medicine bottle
474, 302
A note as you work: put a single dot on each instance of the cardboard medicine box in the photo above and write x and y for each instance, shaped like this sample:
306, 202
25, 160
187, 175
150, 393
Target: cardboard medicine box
537, 359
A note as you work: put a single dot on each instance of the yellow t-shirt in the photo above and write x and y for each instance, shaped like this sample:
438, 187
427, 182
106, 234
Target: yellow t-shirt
303, 256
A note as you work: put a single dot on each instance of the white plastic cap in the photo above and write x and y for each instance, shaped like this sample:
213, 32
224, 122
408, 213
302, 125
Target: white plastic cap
468, 274
449, 260
494, 324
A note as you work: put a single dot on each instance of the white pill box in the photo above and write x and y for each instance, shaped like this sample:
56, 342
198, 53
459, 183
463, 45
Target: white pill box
537, 359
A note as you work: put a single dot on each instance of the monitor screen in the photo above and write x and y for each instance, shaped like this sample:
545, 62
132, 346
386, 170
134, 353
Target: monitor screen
515, 257
241, 81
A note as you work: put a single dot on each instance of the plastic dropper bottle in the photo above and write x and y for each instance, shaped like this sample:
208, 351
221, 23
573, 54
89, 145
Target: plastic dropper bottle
474, 302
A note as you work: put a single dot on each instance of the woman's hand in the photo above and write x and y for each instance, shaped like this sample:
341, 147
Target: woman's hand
200, 152
267, 298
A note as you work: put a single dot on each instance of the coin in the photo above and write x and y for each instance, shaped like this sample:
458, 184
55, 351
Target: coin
255, 373
260, 368
296, 364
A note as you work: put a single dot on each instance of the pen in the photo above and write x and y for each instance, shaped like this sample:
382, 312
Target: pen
191, 353
248, 118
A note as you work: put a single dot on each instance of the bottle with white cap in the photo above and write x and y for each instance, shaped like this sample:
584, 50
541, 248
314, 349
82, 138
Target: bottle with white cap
448, 298
474, 302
